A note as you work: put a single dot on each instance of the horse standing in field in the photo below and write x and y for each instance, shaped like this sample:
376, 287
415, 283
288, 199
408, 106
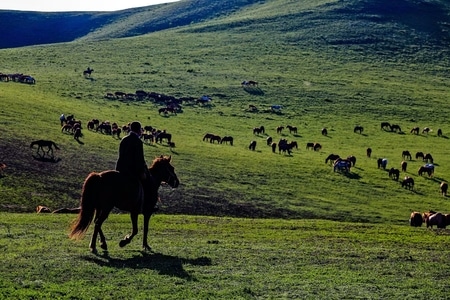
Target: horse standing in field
385, 125
259, 130
382, 163
317, 146
426, 130
252, 145
280, 129
359, 129
352, 159
408, 182
415, 219
103, 191
269, 140
444, 188
227, 139
406, 154
332, 158
324, 131
439, 132
207, 136
274, 147
428, 158
369, 152
292, 129
428, 168
394, 173
43, 143
215, 138
419, 155
404, 165
415, 130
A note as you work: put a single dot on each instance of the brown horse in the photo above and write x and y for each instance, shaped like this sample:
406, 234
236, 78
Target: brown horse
444, 188
395, 127
227, 139
280, 129
394, 173
43, 143
310, 146
415, 219
406, 154
404, 165
415, 130
428, 168
352, 159
163, 135
408, 182
331, 158
428, 158
359, 129
419, 155
103, 191
259, 130
292, 129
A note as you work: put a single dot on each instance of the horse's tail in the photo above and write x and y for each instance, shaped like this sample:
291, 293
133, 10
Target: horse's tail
54, 145
89, 196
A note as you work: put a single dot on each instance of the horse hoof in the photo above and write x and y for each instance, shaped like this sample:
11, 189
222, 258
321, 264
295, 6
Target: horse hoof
124, 242
104, 246
147, 248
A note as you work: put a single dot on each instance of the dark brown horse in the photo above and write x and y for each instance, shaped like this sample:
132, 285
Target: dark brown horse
408, 182
215, 138
207, 136
415, 130
359, 129
415, 219
252, 145
103, 191
404, 165
382, 163
163, 135
369, 152
395, 127
280, 129
406, 154
444, 188
352, 159
394, 173
88, 72
439, 132
292, 129
428, 158
419, 155
227, 139
47, 144
428, 168
259, 130
385, 125
331, 158
324, 131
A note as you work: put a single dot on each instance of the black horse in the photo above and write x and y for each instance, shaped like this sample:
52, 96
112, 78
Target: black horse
331, 158
103, 191
88, 72
359, 129
394, 173
43, 143
163, 135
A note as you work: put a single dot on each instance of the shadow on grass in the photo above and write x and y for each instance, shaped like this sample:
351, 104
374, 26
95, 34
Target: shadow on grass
163, 264
46, 159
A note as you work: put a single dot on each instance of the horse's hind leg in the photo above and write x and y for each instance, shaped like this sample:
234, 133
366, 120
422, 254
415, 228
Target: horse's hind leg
98, 221
145, 245
127, 239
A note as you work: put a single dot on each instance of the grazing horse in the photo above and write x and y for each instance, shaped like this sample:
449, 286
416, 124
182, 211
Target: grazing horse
342, 165
332, 158
395, 127
252, 145
408, 182
317, 146
415, 219
382, 163
359, 129
324, 131
259, 130
404, 165
280, 129
428, 168
406, 154
292, 129
227, 139
437, 219
207, 136
415, 130
43, 143
274, 147
88, 72
439, 132
444, 187
352, 159
369, 152
394, 173
269, 140
310, 146
428, 158
77, 134
103, 191
164, 135
419, 155
426, 130
215, 138
385, 125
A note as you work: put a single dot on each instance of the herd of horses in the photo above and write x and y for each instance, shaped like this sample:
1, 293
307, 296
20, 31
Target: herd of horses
430, 218
17, 77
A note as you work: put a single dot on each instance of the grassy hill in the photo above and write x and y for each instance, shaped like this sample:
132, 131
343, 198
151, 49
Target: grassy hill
314, 58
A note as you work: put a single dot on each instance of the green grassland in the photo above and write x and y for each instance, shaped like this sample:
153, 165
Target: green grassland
303, 231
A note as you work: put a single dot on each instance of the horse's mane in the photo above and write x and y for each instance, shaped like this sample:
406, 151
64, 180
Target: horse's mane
158, 160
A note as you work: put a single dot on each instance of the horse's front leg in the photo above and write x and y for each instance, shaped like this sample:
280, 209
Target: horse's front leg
127, 239
145, 245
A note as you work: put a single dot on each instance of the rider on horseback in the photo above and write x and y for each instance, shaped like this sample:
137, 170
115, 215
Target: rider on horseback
131, 161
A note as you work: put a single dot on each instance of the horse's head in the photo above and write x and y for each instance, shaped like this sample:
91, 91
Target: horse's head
162, 169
